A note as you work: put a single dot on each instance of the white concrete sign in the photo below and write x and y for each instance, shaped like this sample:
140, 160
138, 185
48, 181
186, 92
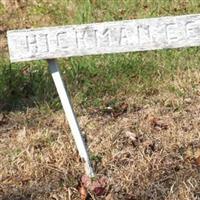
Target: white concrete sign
107, 37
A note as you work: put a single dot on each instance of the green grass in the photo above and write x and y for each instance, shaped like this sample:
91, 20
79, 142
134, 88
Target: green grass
92, 78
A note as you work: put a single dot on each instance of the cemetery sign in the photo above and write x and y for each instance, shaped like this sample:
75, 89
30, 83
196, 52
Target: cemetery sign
107, 37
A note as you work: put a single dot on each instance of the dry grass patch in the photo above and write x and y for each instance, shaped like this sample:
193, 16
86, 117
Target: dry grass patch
148, 152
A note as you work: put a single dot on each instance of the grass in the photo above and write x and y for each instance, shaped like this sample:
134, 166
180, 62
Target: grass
130, 73
30, 83
160, 88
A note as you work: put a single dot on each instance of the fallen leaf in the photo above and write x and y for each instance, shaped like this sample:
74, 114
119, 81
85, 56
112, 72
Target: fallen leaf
119, 110
3, 119
99, 191
197, 161
86, 181
116, 110
25, 71
3, 30
158, 124
83, 192
132, 136
98, 186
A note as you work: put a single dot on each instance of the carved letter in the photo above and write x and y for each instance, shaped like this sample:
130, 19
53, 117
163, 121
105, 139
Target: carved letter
192, 30
62, 40
144, 35
124, 40
37, 43
32, 45
43, 44
172, 32
80, 39
104, 38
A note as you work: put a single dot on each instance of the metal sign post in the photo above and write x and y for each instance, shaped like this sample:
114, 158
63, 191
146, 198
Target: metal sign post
67, 106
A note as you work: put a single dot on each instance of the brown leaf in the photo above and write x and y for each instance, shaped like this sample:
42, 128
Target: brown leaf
98, 186
130, 135
116, 110
86, 181
25, 71
83, 192
99, 191
3, 30
3, 119
120, 109
197, 161
158, 124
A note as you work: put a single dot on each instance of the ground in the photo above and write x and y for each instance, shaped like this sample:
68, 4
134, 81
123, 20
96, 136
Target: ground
141, 122
149, 151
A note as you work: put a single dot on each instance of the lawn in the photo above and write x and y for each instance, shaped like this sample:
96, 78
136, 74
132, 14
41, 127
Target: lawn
139, 112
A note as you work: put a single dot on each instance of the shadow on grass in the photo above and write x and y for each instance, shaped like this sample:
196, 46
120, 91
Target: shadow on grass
89, 79
24, 85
